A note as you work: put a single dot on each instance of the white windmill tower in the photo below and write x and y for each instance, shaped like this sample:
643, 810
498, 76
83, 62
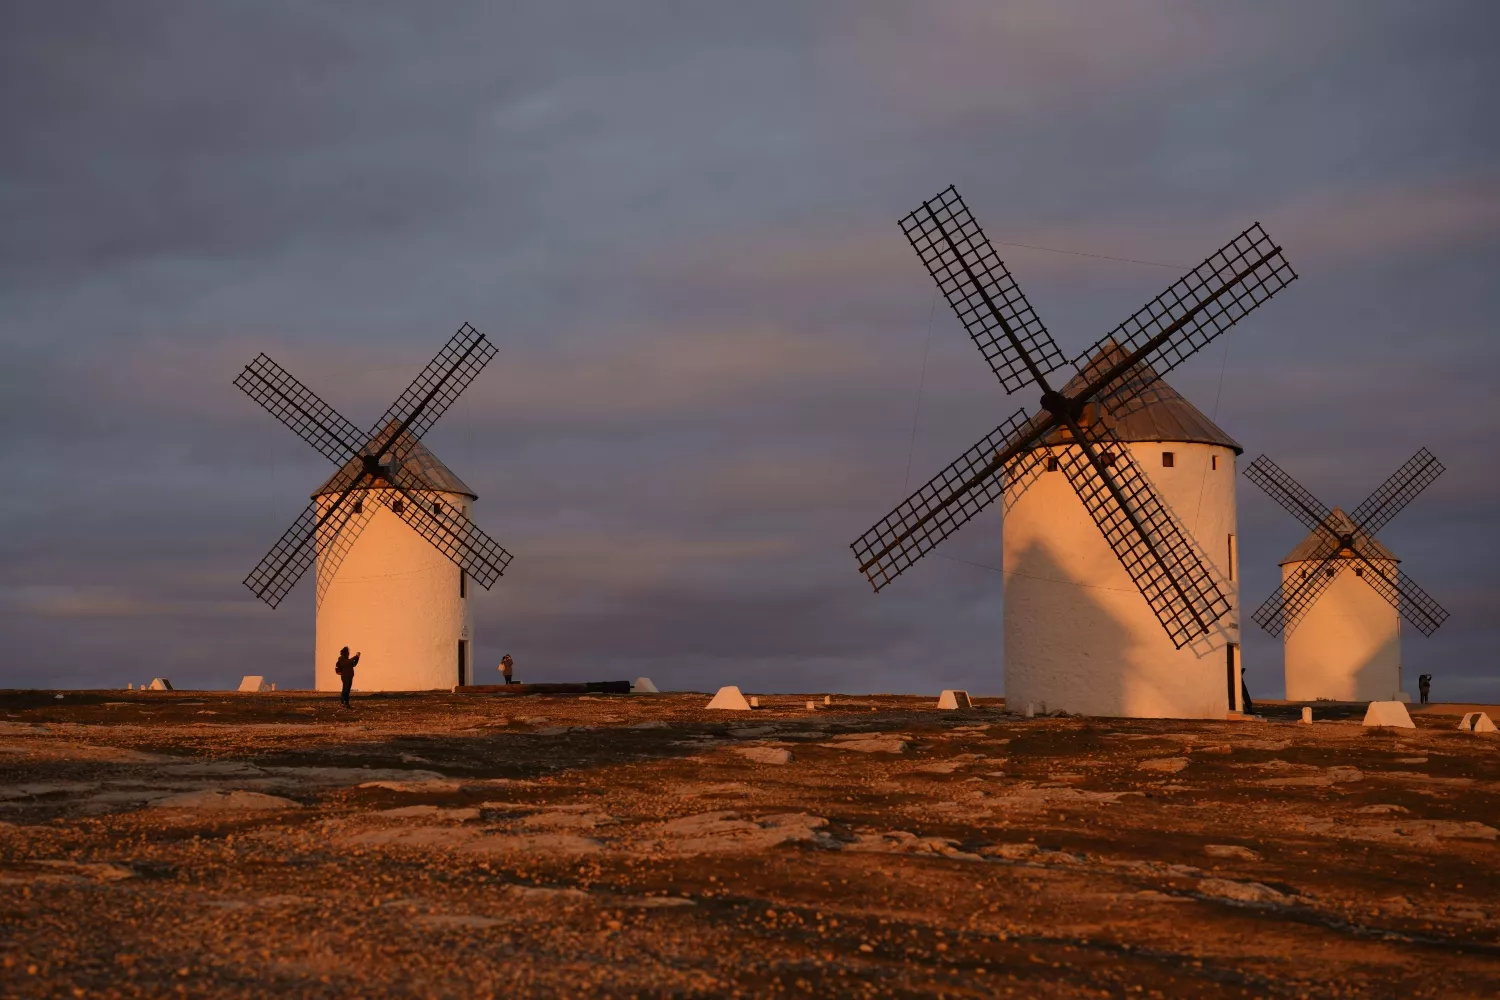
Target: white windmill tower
1342, 594
1077, 635
1117, 592
390, 531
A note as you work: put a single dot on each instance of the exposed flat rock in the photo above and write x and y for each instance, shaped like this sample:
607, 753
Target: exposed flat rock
765, 755
211, 800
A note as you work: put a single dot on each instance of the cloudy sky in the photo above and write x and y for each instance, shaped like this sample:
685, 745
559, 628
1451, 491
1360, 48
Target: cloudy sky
677, 222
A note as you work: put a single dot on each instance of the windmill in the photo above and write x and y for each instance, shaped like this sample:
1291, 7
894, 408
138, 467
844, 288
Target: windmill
389, 530
1095, 658
1341, 632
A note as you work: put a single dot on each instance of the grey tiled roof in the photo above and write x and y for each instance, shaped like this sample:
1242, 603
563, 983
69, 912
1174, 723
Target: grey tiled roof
416, 459
1315, 547
1156, 413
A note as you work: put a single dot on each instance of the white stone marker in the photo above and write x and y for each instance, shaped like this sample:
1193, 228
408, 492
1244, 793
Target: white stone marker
1477, 722
1307, 714
755, 701
1388, 713
254, 682
828, 699
643, 685
954, 699
129, 686
160, 684
730, 699
812, 706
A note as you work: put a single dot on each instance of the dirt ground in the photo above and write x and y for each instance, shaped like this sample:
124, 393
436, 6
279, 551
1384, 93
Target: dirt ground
255, 845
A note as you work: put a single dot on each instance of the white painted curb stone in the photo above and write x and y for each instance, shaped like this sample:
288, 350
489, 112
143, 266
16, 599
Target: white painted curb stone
730, 699
1388, 713
1477, 722
954, 699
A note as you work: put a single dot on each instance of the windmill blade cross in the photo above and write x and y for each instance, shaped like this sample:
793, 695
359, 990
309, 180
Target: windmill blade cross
415, 411
1403, 486
981, 291
1161, 561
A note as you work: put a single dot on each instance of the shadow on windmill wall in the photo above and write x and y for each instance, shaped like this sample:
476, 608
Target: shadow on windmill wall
1347, 648
1064, 646
1379, 671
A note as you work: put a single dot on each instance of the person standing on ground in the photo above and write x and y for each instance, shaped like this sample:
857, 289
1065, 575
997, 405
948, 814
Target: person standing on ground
345, 669
1424, 686
507, 667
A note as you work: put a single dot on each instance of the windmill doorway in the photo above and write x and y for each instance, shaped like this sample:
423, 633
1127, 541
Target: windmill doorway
463, 659
1232, 675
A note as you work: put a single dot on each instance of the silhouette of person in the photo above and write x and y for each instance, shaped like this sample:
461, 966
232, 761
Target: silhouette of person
1424, 686
345, 669
507, 667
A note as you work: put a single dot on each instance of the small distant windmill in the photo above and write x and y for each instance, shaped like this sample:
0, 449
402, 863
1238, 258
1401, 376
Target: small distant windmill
1342, 632
399, 601
1074, 664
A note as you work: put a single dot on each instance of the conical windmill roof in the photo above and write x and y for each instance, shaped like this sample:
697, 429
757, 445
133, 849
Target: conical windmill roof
1156, 413
1314, 548
415, 458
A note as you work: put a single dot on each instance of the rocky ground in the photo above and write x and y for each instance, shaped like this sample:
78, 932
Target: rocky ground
207, 844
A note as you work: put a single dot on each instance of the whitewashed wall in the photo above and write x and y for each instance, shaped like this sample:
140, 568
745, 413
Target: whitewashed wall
1348, 647
1078, 634
394, 600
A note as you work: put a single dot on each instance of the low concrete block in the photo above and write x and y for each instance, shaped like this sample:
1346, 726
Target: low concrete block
160, 684
954, 699
643, 685
1388, 713
1477, 722
254, 682
730, 700
1307, 715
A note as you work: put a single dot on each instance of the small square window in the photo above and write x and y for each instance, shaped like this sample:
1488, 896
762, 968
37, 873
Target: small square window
1168, 459
398, 506
1359, 571
359, 506
1051, 463
1213, 461
1107, 457
437, 508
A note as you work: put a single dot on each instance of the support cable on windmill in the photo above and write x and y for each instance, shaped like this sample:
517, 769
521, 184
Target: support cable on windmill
1075, 638
389, 531
1341, 632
